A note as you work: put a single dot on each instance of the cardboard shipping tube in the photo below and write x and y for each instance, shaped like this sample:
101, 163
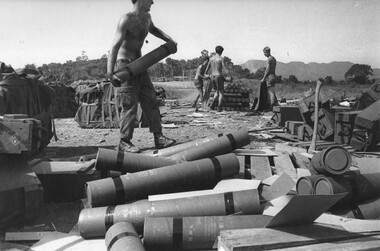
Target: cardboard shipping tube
369, 210
194, 175
189, 233
305, 185
169, 151
94, 222
222, 145
107, 159
359, 187
146, 61
334, 160
123, 237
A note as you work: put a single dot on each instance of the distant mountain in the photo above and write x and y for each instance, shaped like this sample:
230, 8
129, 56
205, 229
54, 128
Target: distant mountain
311, 71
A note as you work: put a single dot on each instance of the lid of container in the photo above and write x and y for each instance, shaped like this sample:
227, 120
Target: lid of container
337, 160
323, 186
304, 187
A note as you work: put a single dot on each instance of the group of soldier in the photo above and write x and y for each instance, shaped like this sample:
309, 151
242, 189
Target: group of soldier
205, 83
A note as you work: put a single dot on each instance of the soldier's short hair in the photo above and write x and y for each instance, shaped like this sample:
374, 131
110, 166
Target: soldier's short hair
219, 49
266, 48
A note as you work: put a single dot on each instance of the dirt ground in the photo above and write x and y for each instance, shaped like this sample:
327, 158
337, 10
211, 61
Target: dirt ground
180, 122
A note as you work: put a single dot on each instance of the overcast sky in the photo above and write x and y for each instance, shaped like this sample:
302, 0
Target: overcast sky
322, 31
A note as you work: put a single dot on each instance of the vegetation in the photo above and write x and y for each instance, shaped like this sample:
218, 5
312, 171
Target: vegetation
84, 69
359, 73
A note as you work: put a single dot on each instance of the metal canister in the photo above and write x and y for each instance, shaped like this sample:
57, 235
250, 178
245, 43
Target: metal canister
334, 160
305, 185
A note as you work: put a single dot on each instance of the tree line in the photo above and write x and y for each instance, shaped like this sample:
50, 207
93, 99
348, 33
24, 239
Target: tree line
96, 69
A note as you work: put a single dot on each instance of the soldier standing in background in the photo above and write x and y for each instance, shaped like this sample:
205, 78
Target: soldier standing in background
216, 64
269, 77
199, 78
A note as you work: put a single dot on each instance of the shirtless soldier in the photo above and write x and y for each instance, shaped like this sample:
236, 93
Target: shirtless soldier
198, 80
270, 76
131, 32
216, 64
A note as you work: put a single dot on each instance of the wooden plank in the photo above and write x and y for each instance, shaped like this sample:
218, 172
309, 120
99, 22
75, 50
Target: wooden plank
13, 246
260, 168
279, 188
364, 243
360, 226
237, 184
68, 242
286, 148
242, 167
228, 185
255, 152
304, 209
264, 238
368, 165
25, 236
286, 136
302, 162
284, 164
61, 167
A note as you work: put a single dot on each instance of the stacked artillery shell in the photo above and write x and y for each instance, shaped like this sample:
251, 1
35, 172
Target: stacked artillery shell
235, 98
367, 210
222, 145
199, 149
94, 222
169, 151
305, 185
334, 160
123, 237
359, 187
194, 175
128, 162
190, 233
149, 59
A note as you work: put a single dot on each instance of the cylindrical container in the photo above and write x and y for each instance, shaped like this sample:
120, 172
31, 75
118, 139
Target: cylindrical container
190, 233
94, 222
146, 61
169, 151
359, 187
222, 145
194, 175
305, 185
123, 237
334, 160
107, 159
369, 210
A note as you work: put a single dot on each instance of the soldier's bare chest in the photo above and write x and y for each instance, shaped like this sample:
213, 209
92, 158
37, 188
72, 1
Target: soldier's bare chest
139, 26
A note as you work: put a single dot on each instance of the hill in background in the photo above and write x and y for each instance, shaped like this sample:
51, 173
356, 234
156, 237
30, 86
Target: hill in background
311, 71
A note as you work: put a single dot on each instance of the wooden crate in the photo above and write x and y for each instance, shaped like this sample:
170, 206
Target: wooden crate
286, 113
344, 125
19, 134
21, 193
325, 115
63, 181
292, 126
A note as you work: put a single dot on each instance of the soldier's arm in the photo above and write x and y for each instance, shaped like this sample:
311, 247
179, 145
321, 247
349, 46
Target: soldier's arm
207, 68
121, 31
266, 73
159, 33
